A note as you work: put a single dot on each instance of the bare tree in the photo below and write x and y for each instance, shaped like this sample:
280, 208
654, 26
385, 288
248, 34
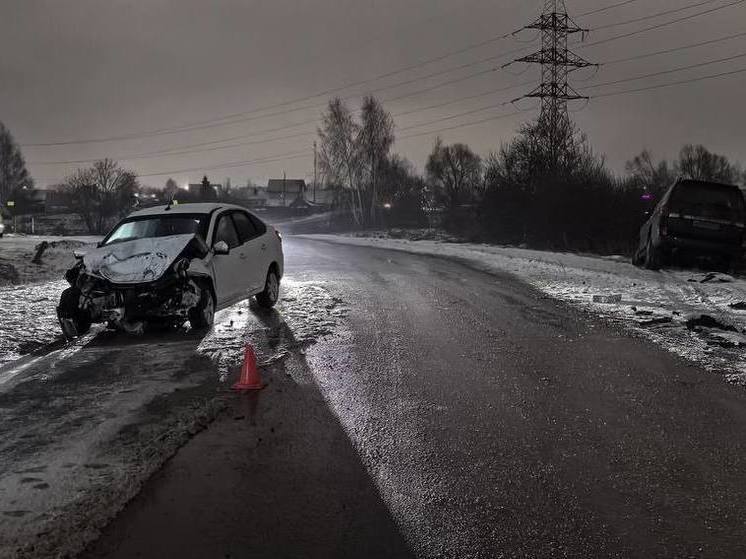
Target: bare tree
101, 193
455, 171
13, 173
339, 157
646, 173
375, 140
171, 188
82, 190
698, 163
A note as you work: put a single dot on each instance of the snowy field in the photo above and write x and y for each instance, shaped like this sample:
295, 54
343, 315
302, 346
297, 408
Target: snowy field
698, 315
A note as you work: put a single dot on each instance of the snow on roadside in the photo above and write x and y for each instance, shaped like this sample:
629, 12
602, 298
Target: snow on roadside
28, 317
700, 316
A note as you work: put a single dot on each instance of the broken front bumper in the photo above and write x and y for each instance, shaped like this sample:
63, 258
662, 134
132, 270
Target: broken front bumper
167, 299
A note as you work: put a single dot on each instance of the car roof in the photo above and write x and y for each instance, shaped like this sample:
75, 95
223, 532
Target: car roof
696, 182
188, 208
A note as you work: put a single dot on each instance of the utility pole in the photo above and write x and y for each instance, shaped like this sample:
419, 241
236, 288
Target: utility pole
314, 172
556, 61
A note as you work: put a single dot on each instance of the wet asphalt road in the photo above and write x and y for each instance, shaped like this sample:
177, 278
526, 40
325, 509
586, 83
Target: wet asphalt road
454, 414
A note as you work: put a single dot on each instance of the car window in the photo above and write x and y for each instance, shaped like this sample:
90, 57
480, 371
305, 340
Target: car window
245, 227
157, 226
259, 225
226, 231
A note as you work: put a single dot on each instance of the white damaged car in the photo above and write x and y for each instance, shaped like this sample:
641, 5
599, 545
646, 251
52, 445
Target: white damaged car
169, 264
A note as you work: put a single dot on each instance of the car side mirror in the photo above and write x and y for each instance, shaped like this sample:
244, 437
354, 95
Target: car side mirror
221, 247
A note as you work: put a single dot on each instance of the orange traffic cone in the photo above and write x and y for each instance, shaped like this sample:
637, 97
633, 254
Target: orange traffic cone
250, 378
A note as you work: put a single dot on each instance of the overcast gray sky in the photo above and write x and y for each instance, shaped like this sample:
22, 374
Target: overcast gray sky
89, 69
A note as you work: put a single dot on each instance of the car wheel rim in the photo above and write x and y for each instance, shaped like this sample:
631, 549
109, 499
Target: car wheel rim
273, 288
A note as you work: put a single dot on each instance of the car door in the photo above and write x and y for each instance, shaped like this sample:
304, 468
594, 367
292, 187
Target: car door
227, 266
253, 253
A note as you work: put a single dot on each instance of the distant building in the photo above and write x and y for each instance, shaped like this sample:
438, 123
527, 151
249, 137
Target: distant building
283, 192
251, 196
200, 192
58, 200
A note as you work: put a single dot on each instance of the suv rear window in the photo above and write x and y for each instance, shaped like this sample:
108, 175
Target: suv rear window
707, 200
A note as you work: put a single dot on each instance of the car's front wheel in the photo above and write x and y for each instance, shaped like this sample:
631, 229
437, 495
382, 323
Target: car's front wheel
203, 314
271, 293
74, 321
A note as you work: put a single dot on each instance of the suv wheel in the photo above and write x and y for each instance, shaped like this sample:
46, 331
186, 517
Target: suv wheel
652, 257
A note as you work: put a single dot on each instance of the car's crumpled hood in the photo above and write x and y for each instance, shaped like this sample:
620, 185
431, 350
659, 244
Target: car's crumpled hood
136, 261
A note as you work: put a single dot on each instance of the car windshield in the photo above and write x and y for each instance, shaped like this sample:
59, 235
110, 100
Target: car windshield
158, 226
710, 200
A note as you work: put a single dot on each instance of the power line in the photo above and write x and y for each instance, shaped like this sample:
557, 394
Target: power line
670, 84
661, 25
161, 154
651, 16
232, 164
200, 124
479, 110
598, 10
467, 98
465, 125
178, 151
671, 71
675, 49
599, 96
185, 151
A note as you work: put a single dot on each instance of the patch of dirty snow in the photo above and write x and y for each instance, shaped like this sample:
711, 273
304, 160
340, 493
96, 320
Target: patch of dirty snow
28, 318
16, 259
659, 306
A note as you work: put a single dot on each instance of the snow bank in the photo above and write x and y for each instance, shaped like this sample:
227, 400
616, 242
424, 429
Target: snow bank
700, 316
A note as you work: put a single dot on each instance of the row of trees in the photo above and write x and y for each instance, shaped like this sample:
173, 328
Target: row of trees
100, 194
355, 156
527, 191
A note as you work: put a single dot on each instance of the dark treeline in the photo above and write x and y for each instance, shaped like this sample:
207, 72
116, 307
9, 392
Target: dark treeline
525, 192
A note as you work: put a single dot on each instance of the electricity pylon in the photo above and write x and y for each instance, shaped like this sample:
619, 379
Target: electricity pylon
556, 61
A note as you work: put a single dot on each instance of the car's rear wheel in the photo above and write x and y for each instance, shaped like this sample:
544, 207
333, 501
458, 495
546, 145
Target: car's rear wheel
636, 258
652, 257
271, 293
74, 321
203, 314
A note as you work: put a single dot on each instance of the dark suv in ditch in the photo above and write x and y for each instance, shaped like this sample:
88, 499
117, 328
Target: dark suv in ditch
695, 219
